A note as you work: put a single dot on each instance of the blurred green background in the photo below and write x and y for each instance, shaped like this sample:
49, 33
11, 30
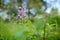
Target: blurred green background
42, 26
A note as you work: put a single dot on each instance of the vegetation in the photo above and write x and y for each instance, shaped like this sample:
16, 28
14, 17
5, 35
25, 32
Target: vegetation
45, 28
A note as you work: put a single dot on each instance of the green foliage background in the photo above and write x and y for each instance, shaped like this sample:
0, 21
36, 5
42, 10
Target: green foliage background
46, 28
